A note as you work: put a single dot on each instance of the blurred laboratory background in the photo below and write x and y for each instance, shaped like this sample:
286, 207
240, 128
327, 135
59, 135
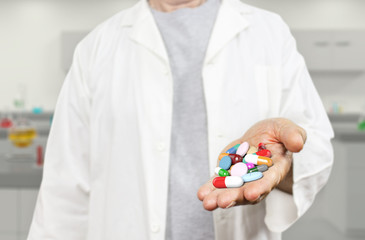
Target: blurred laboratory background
37, 39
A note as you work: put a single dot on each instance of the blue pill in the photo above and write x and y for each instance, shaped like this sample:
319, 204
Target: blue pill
249, 177
232, 150
225, 163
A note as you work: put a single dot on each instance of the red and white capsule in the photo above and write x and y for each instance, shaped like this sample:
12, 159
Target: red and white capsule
228, 182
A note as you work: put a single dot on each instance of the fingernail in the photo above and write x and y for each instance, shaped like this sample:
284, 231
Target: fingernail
231, 204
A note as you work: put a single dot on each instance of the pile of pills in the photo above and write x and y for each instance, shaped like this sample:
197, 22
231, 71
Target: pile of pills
241, 164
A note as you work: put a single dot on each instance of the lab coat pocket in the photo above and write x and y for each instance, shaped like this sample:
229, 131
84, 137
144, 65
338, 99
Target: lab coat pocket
268, 81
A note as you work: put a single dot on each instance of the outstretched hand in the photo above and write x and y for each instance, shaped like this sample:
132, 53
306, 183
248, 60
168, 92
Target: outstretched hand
282, 137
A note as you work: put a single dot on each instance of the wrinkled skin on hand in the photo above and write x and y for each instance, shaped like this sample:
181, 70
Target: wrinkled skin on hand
282, 137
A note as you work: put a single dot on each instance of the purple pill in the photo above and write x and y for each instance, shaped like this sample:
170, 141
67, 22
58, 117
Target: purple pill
250, 165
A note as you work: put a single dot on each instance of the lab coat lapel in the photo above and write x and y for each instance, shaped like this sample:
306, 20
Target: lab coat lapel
145, 31
230, 21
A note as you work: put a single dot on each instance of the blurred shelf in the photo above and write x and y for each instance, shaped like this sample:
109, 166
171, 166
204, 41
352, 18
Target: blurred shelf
18, 167
345, 127
42, 123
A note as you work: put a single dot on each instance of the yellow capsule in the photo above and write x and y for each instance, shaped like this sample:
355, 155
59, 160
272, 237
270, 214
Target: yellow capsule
264, 160
251, 150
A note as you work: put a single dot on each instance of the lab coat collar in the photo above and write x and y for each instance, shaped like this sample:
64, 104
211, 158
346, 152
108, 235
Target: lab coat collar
231, 20
144, 29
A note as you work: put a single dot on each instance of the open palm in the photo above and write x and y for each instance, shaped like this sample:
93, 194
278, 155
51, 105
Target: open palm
281, 137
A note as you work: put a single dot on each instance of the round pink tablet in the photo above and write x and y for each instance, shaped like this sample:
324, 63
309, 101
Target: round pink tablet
243, 148
239, 169
250, 165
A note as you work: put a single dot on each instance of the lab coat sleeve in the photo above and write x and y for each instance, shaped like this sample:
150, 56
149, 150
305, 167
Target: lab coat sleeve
62, 206
301, 103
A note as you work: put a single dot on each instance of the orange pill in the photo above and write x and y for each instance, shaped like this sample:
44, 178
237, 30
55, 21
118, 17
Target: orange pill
222, 155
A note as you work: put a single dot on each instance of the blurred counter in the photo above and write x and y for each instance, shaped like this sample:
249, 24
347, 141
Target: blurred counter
345, 127
18, 166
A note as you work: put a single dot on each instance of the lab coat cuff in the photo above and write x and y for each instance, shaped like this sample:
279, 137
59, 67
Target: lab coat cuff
281, 211
284, 209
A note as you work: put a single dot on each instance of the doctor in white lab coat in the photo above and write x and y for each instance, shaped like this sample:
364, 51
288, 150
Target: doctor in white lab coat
107, 159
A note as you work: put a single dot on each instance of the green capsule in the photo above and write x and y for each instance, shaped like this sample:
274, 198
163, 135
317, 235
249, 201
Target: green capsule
253, 170
221, 172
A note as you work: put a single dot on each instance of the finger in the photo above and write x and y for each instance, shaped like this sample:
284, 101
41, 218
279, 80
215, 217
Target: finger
210, 202
262, 197
231, 197
205, 189
255, 191
291, 135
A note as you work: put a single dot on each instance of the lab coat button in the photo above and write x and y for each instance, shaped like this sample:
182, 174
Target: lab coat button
161, 147
155, 228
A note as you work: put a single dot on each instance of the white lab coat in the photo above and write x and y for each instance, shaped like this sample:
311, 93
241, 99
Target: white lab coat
107, 159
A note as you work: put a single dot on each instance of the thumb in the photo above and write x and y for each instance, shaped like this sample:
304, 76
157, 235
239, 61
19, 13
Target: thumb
291, 135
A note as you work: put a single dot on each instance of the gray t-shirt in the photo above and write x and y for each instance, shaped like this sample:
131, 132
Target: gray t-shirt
186, 33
